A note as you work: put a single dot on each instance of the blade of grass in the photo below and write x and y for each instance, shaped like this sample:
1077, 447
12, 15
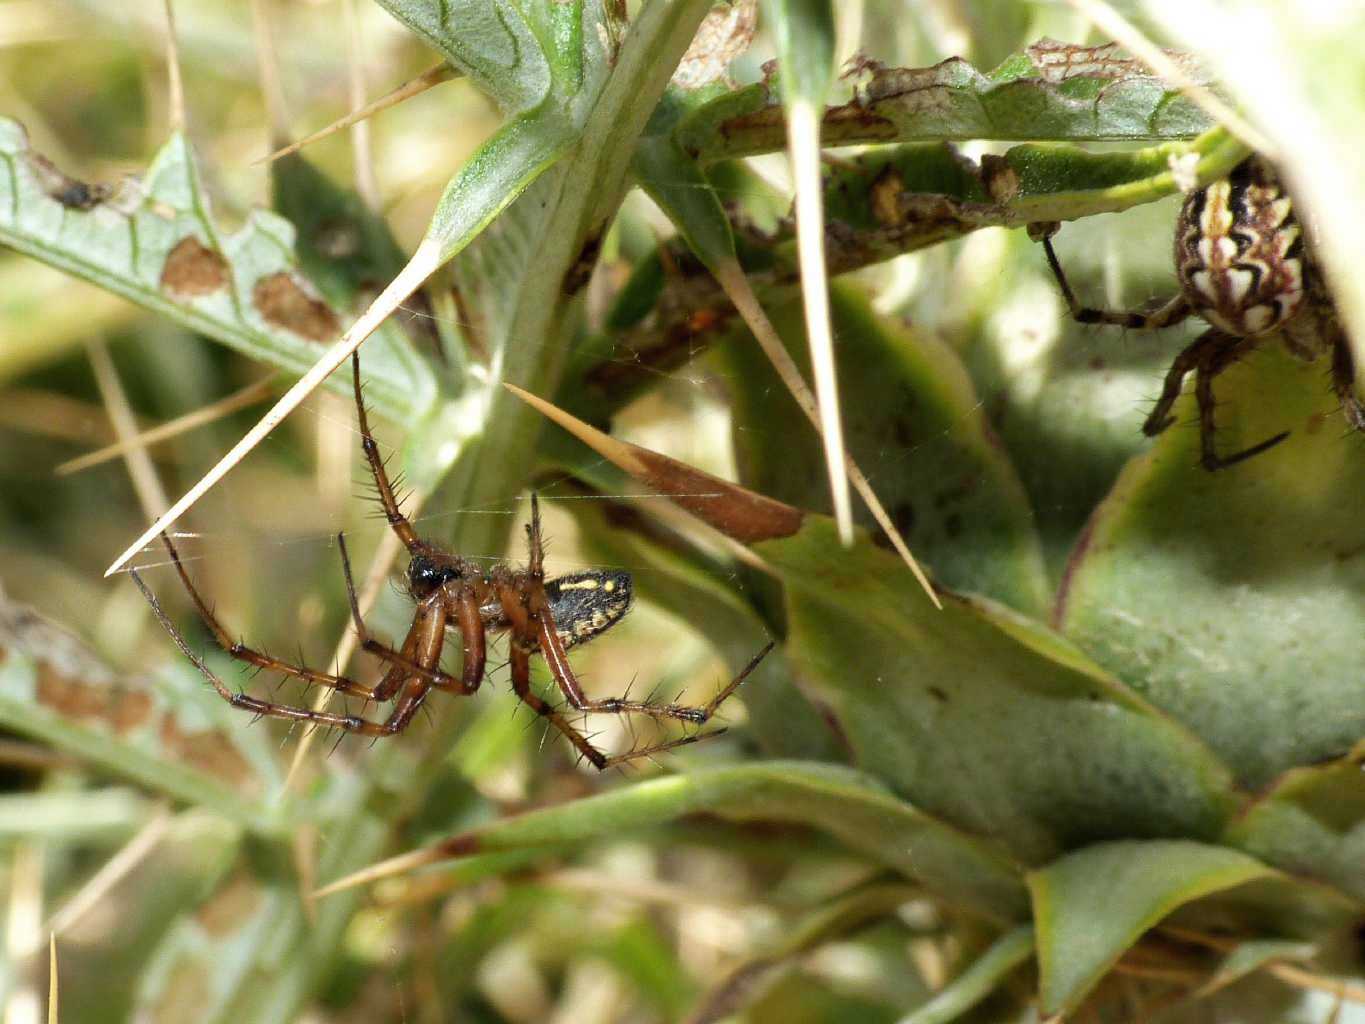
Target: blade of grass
150, 494
249, 395
52, 1013
175, 89
428, 79
111, 872
804, 31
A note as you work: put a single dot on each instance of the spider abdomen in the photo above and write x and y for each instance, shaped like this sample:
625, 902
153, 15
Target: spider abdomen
1239, 252
587, 604
584, 605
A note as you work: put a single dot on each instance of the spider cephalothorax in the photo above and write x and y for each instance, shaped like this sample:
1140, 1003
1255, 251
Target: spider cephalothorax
455, 596
1244, 266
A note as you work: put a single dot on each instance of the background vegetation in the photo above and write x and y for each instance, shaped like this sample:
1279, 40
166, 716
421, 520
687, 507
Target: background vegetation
1141, 696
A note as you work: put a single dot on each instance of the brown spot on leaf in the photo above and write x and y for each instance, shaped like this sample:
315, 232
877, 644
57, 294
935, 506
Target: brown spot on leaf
122, 710
1000, 179
578, 274
884, 198
70, 192
723, 35
458, 846
230, 907
282, 302
1057, 62
193, 269
207, 750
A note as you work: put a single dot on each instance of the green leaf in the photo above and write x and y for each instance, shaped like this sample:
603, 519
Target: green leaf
1092, 905
525, 278
491, 41
915, 425
168, 734
847, 804
679, 185
1233, 600
1311, 823
496, 174
975, 712
158, 245
977, 981
1028, 96
879, 205
982, 716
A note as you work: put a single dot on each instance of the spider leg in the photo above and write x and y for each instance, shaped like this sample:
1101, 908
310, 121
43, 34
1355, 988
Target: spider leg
564, 678
269, 709
521, 685
1214, 362
1344, 382
1193, 354
535, 541
395, 517
242, 652
1174, 311
475, 640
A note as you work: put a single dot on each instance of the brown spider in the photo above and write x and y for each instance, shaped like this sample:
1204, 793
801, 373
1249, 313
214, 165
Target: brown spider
453, 593
1243, 266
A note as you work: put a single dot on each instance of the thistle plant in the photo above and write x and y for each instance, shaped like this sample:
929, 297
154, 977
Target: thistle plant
1058, 724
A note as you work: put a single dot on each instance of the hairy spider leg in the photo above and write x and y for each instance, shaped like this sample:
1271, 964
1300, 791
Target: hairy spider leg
402, 714
1215, 361
1172, 313
422, 651
521, 684
397, 521
1208, 356
542, 622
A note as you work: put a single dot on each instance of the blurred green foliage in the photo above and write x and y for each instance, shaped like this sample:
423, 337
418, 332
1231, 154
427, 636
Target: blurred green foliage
1143, 685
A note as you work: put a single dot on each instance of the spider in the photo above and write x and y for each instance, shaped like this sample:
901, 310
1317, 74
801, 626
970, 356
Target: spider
1243, 266
452, 593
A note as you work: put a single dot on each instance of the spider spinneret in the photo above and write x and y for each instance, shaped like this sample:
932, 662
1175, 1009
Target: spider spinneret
454, 595
1244, 266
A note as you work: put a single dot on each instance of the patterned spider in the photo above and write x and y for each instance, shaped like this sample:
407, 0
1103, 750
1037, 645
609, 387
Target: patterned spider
453, 593
1243, 266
